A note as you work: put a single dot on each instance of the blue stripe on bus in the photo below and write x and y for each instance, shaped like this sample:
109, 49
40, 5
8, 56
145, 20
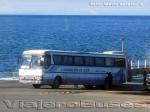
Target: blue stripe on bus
76, 72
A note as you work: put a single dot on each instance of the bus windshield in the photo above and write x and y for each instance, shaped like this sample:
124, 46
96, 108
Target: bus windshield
33, 61
26, 61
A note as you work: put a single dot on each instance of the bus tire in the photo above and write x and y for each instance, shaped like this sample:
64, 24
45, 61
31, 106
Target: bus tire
37, 86
56, 83
88, 86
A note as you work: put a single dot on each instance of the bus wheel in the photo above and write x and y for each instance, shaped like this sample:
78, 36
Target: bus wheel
56, 83
88, 86
36, 86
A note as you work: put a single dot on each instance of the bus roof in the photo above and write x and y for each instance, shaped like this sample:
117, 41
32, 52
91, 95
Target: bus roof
42, 52
38, 52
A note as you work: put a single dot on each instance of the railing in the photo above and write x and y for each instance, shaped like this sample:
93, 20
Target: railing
137, 64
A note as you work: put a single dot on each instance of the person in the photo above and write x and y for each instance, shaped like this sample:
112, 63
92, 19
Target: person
110, 79
144, 78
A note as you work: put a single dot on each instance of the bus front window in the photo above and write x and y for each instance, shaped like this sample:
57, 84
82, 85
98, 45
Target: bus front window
36, 61
26, 61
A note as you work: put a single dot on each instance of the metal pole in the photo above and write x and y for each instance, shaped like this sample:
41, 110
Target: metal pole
131, 63
145, 63
138, 64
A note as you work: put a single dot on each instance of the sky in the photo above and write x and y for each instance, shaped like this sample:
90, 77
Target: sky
75, 7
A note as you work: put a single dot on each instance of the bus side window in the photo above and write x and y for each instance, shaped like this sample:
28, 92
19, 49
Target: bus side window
100, 62
89, 61
110, 62
67, 60
120, 62
57, 59
78, 61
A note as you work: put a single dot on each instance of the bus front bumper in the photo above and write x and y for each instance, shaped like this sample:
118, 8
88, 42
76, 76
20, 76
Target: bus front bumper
34, 80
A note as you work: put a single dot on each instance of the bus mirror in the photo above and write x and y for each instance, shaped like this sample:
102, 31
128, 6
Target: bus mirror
42, 59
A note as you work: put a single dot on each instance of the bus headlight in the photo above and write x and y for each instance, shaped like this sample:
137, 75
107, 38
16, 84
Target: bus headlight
21, 78
38, 78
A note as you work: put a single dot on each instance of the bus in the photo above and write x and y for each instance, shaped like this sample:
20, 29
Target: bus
58, 67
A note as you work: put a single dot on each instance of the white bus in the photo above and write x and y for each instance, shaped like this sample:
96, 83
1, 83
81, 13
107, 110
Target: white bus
55, 68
